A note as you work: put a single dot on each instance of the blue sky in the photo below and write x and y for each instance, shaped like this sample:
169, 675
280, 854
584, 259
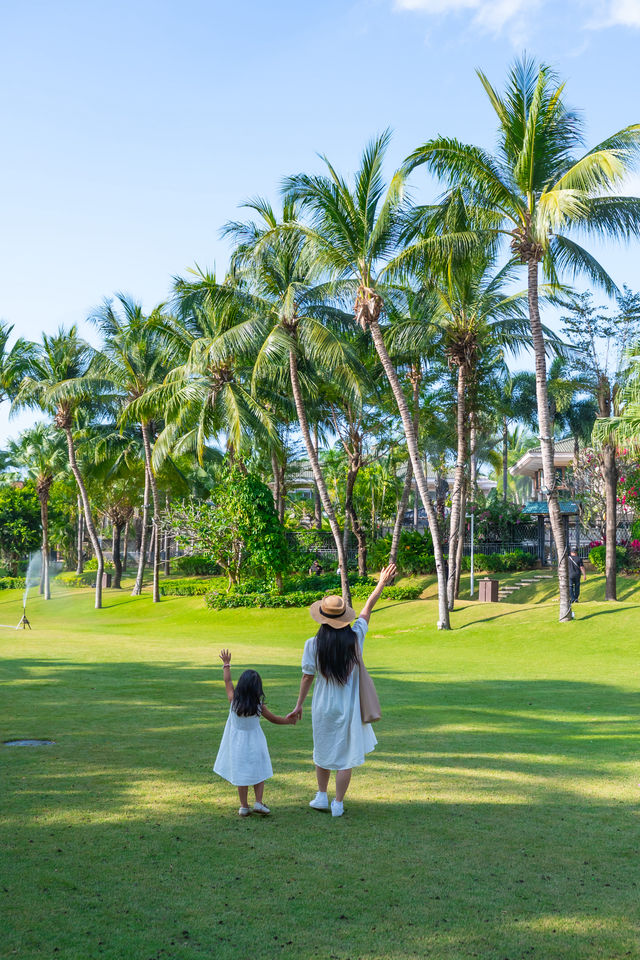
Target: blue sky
132, 130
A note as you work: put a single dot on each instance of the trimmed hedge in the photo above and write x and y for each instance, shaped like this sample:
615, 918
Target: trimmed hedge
597, 556
72, 579
12, 583
185, 587
500, 562
194, 565
299, 598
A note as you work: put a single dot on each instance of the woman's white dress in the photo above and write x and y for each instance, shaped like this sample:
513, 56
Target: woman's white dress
340, 738
243, 758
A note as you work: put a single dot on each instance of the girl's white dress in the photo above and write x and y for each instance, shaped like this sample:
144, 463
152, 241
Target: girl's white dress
243, 758
340, 738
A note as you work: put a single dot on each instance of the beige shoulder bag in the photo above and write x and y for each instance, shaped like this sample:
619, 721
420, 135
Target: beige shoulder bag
369, 703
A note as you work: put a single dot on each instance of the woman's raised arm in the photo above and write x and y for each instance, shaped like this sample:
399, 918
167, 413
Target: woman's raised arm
386, 576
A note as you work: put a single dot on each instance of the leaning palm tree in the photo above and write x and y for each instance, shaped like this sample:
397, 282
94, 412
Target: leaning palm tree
40, 453
296, 328
355, 230
540, 195
131, 362
57, 382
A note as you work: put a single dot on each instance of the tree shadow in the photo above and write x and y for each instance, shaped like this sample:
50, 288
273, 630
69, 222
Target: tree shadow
489, 821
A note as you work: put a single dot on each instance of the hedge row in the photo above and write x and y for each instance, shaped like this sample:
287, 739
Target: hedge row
185, 587
298, 598
12, 583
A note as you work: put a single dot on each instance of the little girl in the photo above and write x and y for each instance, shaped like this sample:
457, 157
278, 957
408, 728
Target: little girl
243, 758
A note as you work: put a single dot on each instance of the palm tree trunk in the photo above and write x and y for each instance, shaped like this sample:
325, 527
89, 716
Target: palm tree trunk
610, 475
117, 561
144, 532
93, 536
167, 543
317, 499
458, 483
44, 517
350, 514
412, 444
125, 554
461, 532
402, 509
505, 457
156, 512
546, 444
317, 474
80, 563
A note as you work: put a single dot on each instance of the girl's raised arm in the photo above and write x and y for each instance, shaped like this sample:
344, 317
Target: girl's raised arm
225, 656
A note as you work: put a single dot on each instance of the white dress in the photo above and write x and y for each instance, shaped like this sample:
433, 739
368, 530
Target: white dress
243, 758
340, 738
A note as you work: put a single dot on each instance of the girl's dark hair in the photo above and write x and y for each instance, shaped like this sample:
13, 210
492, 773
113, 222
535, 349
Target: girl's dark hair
248, 695
336, 652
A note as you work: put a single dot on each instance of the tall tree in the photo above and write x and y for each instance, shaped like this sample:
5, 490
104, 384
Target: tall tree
600, 362
131, 362
291, 319
58, 383
539, 193
39, 452
354, 231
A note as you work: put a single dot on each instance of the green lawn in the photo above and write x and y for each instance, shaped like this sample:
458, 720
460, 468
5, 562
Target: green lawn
498, 817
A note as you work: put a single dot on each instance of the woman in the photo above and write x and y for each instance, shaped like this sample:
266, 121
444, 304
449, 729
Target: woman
340, 738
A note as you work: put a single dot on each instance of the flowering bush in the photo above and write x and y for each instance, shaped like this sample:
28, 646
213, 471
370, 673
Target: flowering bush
597, 558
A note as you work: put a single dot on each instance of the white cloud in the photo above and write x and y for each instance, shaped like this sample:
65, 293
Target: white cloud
491, 15
513, 15
621, 13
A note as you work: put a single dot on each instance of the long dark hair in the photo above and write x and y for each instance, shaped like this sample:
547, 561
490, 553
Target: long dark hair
248, 695
336, 652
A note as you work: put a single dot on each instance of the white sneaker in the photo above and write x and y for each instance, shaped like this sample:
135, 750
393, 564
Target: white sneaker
337, 808
320, 801
244, 811
260, 808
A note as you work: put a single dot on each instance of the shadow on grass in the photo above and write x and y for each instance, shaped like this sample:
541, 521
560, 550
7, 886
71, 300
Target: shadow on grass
486, 822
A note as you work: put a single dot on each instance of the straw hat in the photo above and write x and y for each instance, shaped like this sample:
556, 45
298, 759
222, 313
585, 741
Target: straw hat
332, 610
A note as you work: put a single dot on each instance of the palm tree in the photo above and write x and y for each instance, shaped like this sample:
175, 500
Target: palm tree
473, 320
58, 383
131, 362
539, 193
14, 362
291, 320
39, 452
354, 233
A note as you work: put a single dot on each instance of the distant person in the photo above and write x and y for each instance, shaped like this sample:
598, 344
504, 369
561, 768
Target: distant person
340, 738
243, 758
576, 570
315, 568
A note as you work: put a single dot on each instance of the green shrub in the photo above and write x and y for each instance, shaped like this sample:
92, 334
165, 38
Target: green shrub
500, 562
185, 587
195, 565
12, 583
225, 601
300, 598
72, 579
415, 552
597, 557
92, 565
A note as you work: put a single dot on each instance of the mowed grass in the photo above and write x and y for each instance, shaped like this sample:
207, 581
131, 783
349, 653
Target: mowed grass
498, 817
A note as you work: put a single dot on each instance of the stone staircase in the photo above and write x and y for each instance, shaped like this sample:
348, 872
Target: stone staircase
507, 591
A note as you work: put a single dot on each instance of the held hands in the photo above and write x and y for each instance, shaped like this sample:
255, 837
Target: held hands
295, 715
225, 656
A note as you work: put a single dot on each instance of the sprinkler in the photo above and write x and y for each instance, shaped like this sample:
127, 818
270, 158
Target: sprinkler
24, 623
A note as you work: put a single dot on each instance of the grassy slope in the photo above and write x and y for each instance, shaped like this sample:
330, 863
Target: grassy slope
497, 818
